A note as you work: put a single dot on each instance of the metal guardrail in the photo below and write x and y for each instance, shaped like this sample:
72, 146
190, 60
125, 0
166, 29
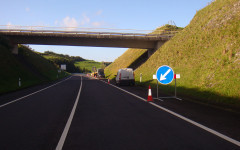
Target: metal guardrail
85, 32
161, 35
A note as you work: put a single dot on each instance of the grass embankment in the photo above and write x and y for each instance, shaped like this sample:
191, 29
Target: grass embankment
89, 64
206, 54
124, 61
133, 58
30, 67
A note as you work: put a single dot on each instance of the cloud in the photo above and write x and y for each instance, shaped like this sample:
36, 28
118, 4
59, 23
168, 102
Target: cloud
97, 24
56, 22
85, 19
70, 22
98, 13
9, 25
27, 9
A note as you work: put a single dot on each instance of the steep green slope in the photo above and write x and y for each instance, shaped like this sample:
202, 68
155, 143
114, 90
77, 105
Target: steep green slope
30, 67
206, 54
133, 58
124, 61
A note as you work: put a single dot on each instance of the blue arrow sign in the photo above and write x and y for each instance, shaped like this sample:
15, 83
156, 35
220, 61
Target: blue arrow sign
165, 74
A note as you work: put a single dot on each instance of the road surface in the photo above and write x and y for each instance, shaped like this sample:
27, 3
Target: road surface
104, 118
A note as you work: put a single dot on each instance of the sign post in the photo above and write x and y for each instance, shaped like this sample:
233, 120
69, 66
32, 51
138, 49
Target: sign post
155, 77
165, 75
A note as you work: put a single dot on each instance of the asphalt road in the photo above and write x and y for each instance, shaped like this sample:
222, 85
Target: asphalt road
105, 118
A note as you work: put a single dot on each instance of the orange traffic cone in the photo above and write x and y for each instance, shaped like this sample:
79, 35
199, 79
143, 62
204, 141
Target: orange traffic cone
149, 95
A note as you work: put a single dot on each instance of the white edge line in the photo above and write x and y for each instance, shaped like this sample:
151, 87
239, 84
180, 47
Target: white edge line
184, 118
32, 93
66, 129
198, 125
126, 91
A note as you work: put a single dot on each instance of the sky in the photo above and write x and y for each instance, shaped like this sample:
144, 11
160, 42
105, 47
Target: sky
121, 14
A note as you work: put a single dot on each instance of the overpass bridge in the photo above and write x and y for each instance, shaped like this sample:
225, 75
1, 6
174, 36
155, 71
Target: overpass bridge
85, 38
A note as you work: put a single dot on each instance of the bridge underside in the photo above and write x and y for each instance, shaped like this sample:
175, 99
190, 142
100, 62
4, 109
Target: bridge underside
84, 41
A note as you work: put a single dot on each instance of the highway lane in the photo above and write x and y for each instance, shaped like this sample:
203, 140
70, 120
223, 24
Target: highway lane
106, 118
36, 122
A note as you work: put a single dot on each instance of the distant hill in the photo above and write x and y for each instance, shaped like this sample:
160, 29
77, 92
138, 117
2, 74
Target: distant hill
75, 64
206, 53
30, 67
60, 59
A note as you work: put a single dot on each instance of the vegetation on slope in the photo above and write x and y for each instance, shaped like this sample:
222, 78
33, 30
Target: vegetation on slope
89, 64
75, 64
124, 61
133, 58
30, 67
69, 61
206, 54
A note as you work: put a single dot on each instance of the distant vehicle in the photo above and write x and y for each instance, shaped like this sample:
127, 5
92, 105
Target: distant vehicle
100, 73
125, 76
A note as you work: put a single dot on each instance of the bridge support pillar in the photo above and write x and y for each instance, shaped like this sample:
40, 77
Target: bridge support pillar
156, 47
150, 52
14, 48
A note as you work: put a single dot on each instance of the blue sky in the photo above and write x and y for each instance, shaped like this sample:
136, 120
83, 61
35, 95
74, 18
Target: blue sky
121, 14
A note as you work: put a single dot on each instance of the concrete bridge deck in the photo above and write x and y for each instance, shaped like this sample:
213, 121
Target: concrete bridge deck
83, 38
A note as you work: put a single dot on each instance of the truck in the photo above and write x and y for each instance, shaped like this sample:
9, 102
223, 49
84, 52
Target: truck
100, 73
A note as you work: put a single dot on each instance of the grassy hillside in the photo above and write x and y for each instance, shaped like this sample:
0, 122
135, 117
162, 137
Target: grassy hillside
124, 61
28, 65
60, 59
75, 64
88, 64
133, 58
206, 54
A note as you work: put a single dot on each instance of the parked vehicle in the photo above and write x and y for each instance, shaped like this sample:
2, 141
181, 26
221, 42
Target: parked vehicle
100, 73
125, 76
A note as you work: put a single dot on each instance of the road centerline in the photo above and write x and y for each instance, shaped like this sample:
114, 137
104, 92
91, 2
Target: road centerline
67, 127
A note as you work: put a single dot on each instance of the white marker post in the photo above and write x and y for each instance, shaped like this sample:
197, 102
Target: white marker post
19, 82
140, 77
176, 76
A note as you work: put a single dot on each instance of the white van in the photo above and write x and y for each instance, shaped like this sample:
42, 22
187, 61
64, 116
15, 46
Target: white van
125, 76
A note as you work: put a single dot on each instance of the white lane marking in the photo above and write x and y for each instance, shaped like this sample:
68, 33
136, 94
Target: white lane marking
33, 93
126, 91
199, 125
66, 129
184, 118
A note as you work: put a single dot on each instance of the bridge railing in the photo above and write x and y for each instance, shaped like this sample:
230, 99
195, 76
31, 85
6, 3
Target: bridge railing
37, 29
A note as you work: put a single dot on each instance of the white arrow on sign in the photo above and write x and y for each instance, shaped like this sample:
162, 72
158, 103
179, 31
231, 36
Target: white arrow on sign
165, 74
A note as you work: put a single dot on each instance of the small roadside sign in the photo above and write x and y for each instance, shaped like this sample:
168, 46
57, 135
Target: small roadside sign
154, 76
165, 74
63, 67
176, 76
